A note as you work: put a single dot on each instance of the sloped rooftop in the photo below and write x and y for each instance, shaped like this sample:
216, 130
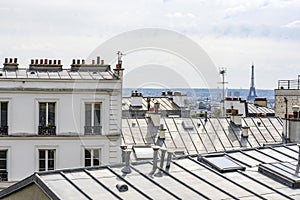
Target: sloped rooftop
165, 103
187, 178
254, 110
65, 74
215, 135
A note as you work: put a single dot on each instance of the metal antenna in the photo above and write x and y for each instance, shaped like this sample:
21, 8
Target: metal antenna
222, 72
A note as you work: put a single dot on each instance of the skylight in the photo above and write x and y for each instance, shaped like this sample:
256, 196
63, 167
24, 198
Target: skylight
222, 163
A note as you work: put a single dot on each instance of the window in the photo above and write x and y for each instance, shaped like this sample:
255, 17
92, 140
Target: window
3, 118
47, 118
92, 119
46, 159
222, 163
3, 165
92, 157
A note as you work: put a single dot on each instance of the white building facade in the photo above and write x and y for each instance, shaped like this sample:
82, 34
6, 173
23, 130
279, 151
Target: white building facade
53, 118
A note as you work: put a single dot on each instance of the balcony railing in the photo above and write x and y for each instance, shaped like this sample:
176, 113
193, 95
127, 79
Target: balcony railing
47, 130
92, 130
289, 84
4, 130
3, 175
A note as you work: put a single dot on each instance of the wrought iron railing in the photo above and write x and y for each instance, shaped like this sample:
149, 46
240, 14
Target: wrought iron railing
3, 175
93, 130
47, 130
289, 84
4, 130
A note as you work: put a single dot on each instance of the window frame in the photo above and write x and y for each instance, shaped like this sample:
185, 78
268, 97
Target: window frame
104, 113
46, 147
46, 159
9, 103
92, 153
37, 112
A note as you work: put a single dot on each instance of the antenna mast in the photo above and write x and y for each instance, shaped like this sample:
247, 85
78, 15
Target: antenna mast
222, 72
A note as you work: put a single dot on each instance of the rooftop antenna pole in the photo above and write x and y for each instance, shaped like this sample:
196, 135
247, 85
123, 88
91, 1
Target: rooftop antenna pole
222, 73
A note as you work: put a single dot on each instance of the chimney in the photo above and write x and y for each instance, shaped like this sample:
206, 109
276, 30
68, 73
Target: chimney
156, 107
127, 168
46, 61
54, 62
10, 64
169, 158
41, 61
136, 99
155, 157
59, 62
148, 103
162, 132
162, 159
93, 62
50, 62
32, 61
102, 62
98, 60
83, 61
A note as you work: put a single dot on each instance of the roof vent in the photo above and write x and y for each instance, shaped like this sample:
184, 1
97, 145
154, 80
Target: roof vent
122, 187
187, 125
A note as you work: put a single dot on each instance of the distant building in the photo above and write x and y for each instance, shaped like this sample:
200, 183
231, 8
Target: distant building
170, 104
53, 118
286, 96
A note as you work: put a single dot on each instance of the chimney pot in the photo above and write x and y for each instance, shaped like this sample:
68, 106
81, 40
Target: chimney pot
54, 62
78, 62
155, 156
50, 62
169, 158
93, 62
127, 169
32, 61
46, 61
36, 61
102, 62
73, 61
59, 62
83, 61
6, 60
41, 61
98, 60
15, 60
10, 60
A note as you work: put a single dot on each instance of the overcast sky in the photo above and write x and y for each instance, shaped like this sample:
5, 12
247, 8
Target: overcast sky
233, 33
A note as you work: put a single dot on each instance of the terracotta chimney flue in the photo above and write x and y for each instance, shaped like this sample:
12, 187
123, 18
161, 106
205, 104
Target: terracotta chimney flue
15, 60
46, 61
83, 61
6, 60
32, 62
78, 62
54, 62
93, 62
41, 61
73, 62
10, 60
59, 61
50, 62
102, 62
36, 61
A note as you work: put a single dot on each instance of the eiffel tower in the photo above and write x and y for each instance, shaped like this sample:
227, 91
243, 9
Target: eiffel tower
252, 94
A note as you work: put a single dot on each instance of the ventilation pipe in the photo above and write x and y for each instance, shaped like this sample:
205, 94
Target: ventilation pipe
169, 158
162, 160
156, 107
155, 156
127, 169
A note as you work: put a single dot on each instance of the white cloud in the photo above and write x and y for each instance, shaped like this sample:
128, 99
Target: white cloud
294, 24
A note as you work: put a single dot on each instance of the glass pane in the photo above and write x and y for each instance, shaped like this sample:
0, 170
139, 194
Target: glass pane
2, 164
97, 114
87, 153
51, 114
96, 162
3, 113
51, 154
42, 165
87, 162
88, 111
3, 154
50, 164
42, 114
96, 157
42, 154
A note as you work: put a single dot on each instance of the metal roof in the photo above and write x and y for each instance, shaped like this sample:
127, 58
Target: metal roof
65, 74
253, 109
217, 134
187, 178
165, 103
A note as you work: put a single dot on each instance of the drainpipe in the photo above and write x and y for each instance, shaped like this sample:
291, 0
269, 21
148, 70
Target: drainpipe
162, 159
127, 169
298, 165
155, 156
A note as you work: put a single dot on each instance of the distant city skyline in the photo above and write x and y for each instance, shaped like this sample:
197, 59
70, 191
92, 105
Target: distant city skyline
234, 34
